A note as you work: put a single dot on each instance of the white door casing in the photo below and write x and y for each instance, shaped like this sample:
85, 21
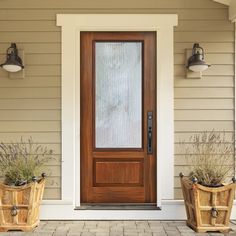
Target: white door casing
72, 25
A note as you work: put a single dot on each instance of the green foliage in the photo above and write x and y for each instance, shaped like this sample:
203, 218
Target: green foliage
19, 162
211, 157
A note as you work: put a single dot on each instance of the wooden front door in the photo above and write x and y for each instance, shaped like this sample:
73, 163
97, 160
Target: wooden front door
118, 117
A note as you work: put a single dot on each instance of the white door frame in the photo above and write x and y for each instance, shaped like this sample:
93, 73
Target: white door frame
72, 25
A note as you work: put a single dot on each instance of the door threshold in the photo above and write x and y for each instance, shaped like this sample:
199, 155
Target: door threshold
118, 206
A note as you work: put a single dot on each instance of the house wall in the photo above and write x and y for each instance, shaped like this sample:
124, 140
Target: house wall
31, 107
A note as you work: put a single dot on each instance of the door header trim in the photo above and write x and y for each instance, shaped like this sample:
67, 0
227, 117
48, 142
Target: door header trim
116, 22
72, 25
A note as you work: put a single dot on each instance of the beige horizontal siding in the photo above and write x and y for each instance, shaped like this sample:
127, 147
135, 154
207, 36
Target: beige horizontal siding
181, 160
184, 25
32, 106
204, 103
35, 48
30, 93
33, 82
28, 126
184, 14
52, 193
38, 137
55, 161
27, 37
202, 115
43, 59
106, 4
215, 59
192, 36
198, 126
27, 26
201, 26
44, 70
209, 47
54, 170
204, 92
31, 115
53, 182
185, 135
208, 81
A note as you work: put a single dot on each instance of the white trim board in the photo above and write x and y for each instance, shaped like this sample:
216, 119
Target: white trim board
225, 2
232, 8
171, 210
72, 25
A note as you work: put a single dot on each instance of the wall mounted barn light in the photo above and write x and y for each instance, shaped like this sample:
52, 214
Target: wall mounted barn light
13, 62
196, 63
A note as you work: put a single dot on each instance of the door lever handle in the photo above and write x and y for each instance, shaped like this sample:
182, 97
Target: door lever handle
149, 132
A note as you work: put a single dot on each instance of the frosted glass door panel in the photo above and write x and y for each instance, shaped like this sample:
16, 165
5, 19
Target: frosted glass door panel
118, 99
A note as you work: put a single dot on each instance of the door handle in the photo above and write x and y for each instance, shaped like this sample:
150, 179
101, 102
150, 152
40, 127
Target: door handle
149, 132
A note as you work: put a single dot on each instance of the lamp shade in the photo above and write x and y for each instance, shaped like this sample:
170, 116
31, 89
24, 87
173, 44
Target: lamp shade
196, 62
13, 62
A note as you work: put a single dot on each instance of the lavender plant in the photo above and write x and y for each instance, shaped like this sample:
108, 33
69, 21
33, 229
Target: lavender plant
19, 162
211, 157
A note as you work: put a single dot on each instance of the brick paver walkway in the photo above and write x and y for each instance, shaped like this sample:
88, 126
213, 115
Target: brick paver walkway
115, 228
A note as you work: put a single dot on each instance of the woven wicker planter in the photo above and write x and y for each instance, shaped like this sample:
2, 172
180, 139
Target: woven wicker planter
19, 206
208, 209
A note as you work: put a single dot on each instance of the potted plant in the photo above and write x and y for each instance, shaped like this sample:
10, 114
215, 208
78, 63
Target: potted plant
21, 165
207, 191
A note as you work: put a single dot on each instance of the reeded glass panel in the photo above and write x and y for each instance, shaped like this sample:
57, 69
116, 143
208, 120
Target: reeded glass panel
118, 70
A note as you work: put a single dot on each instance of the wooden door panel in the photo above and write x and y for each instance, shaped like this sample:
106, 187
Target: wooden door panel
117, 175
